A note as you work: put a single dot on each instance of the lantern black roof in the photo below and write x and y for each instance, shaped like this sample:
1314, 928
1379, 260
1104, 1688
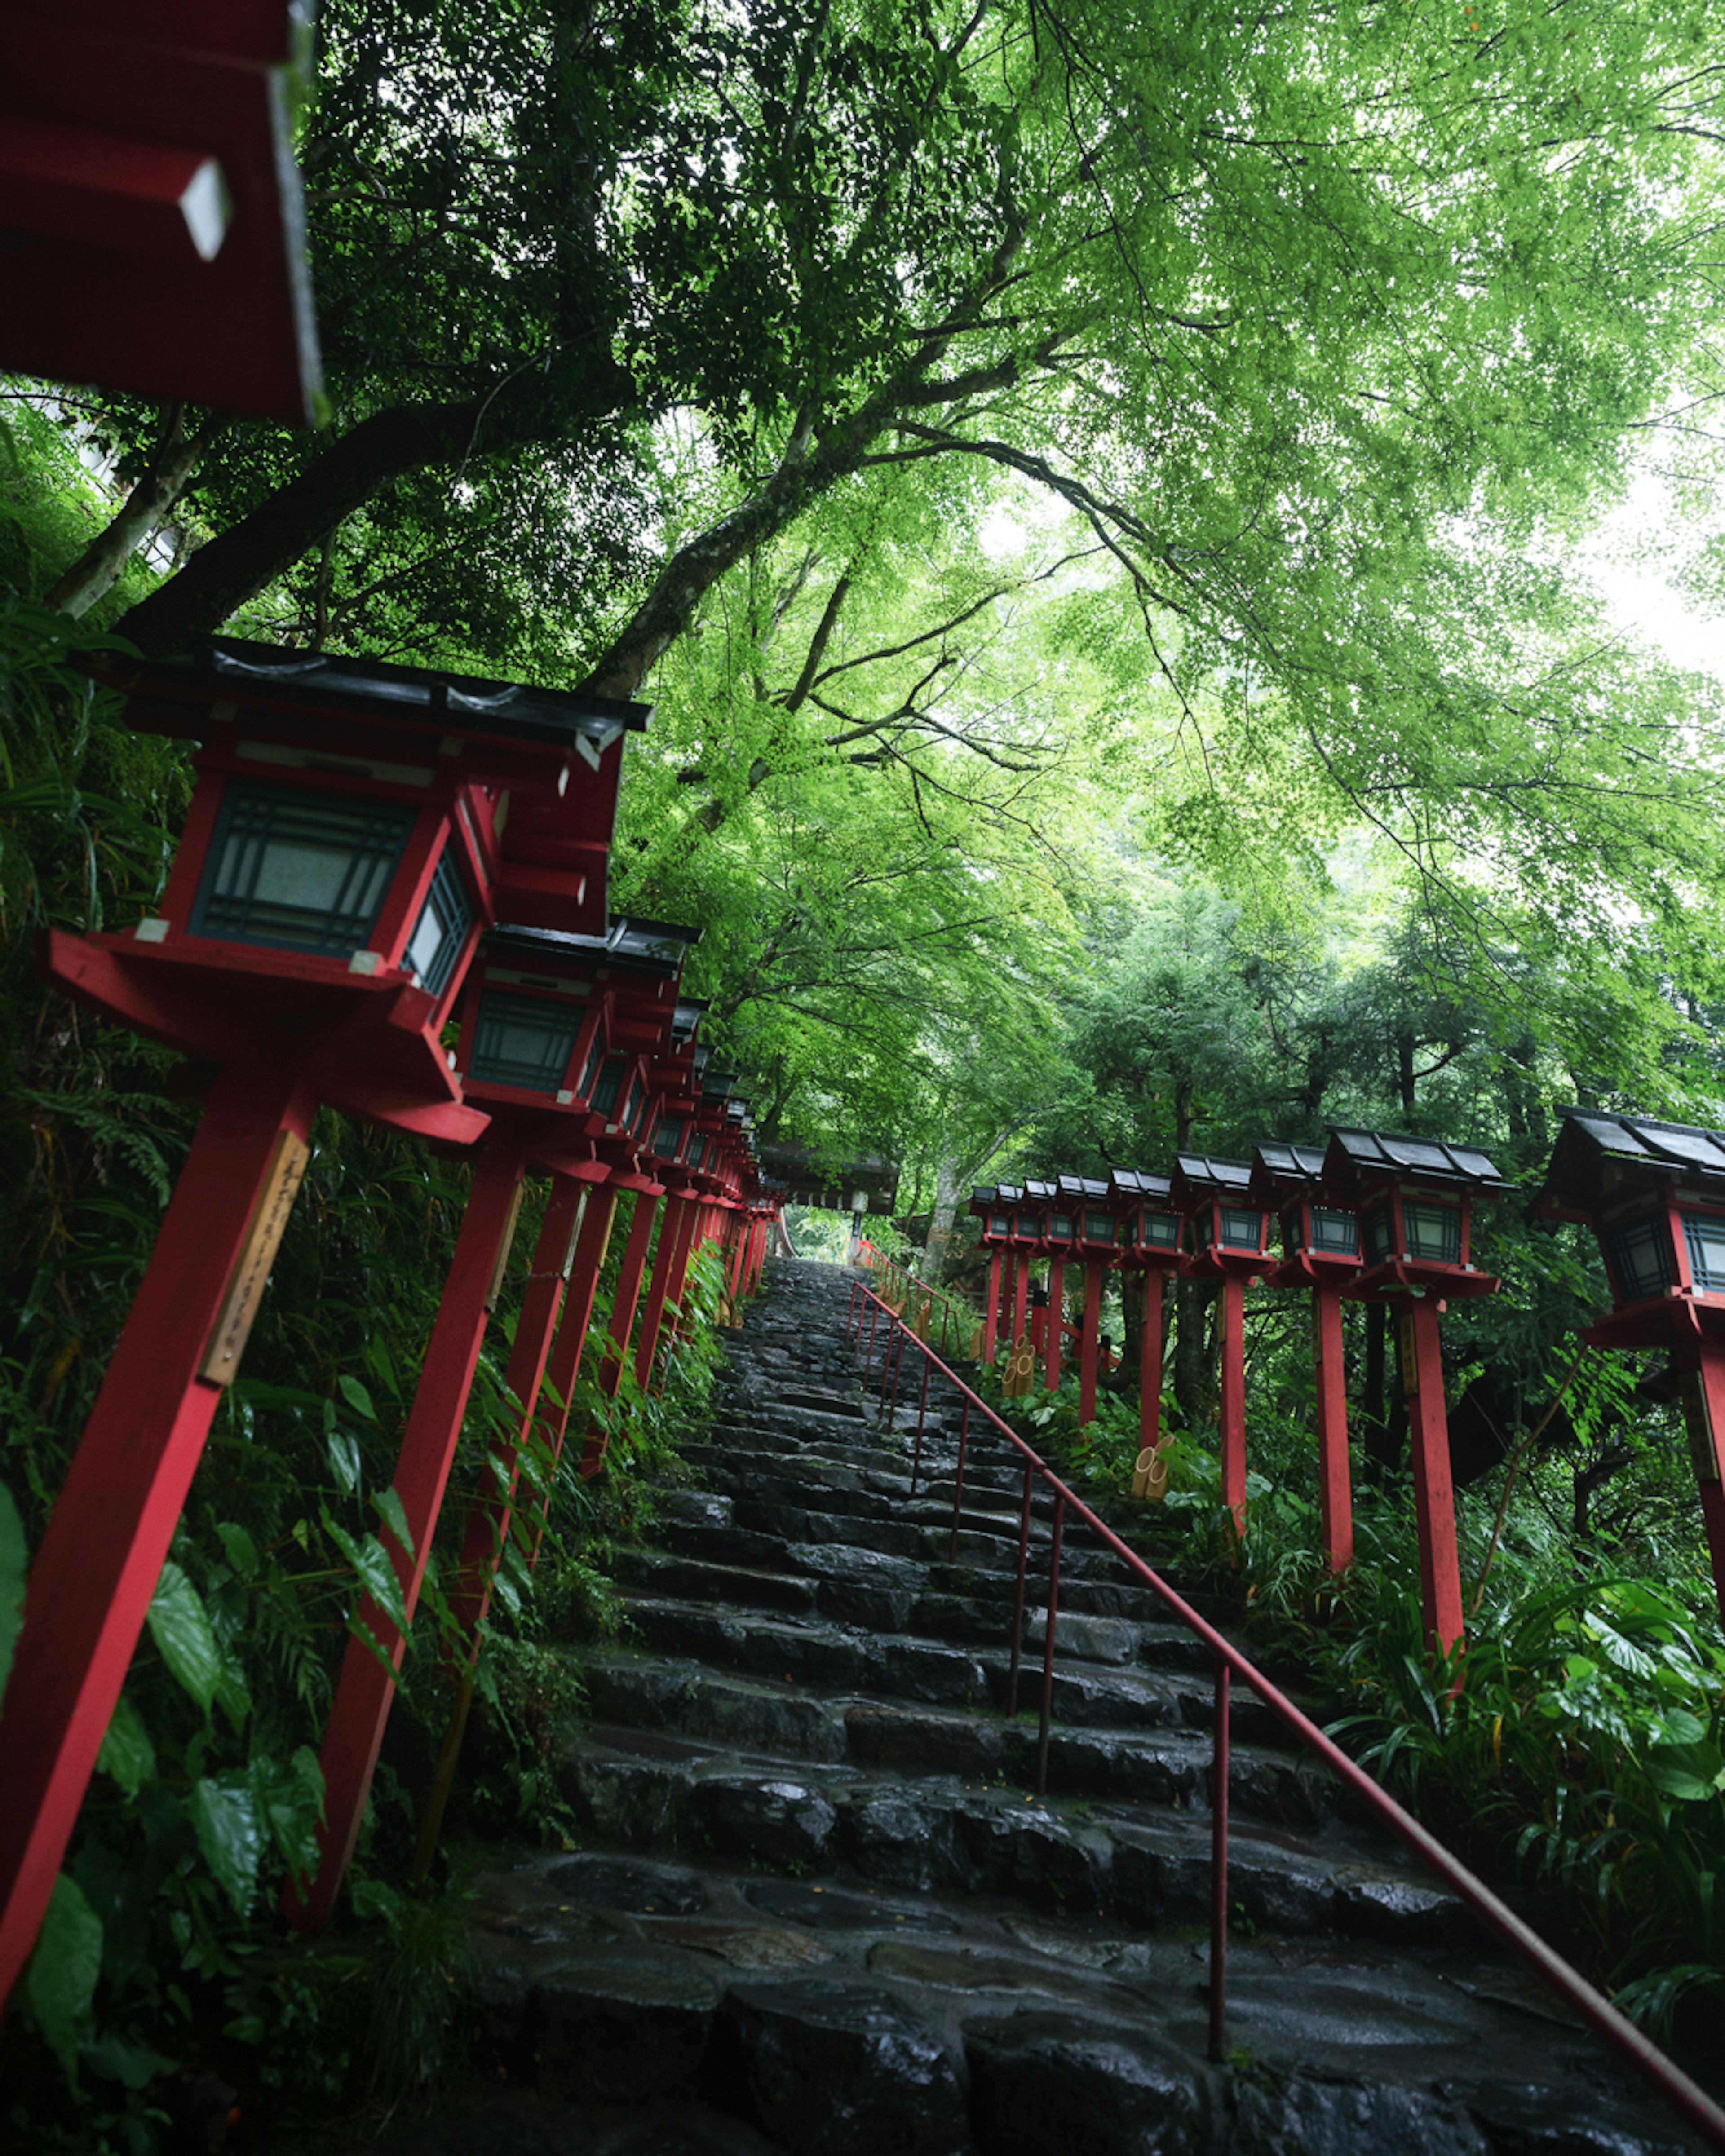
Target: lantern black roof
1281, 1170
717, 1084
1356, 1156
1135, 1184
981, 1196
1039, 1193
464, 703
654, 948
1598, 1156
690, 1012
1082, 1188
1202, 1174
1007, 1194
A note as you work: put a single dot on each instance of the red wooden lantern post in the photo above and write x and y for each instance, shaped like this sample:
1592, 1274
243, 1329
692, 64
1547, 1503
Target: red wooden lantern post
1229, 1238
1060, 1227
1023, 1240
1654, 1193
540, 1047
1095, 1240
151, 219
1321, 1251
339, 859
993, 1207
1150, 1244
668, 1151
1415, 1198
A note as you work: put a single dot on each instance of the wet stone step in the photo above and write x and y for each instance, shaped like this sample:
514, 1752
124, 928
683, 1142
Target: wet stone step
755, 2000
814, 1878
647, 1791
1166, 1765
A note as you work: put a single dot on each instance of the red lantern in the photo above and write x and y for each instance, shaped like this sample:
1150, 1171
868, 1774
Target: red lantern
540, 1010
1654, 1193
336, 868
1099, 1229
1229, 1238
150, 220
1150, 1244
1321, 1249
1415, 1198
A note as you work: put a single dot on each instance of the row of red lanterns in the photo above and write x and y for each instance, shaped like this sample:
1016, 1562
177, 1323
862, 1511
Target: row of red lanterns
390, 895
1374, 1217
1378, 1217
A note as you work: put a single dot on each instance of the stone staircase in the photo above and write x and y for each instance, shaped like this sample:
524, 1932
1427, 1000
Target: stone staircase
818, 1912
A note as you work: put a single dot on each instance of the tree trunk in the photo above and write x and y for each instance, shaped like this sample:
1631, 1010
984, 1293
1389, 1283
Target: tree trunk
1384, 1415
948, 1190
99, 567
231, 569
1404, 1072
1193, 1392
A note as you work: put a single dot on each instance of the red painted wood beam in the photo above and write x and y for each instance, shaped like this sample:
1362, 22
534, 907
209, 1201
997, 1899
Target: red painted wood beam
489, 1516
365, 1689
670, 1237
1702, 1368
1020, 1294
991, 1314
102, 1555
1232, 1408
1056, 1327
1434, 1497
591, 1246
1335, 1487
1150, 1365
625, 1303
689, 1248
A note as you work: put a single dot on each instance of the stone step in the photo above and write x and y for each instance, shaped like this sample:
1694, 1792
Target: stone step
647, 1789
861, 1587
1165, 1766
811, 1684
836, 1657
872, 2022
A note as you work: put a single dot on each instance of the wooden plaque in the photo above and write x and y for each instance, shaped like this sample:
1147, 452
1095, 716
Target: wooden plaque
251, 1270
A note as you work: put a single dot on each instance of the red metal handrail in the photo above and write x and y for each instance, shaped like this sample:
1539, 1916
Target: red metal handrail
1689, 2102
956, 1315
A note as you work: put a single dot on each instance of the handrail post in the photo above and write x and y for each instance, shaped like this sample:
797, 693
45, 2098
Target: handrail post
1218, 1871
1018, 1612
874, 1321
921, 1416
1048, 1646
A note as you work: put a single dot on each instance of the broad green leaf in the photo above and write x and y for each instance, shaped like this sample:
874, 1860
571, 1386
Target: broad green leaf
242, 1550
127, 1754
345, 1462
290, 1795
14, 1564
1679, 1727
1676, 1775
395, 1517
226, 1818
134, 2065
356, 1397
180, 1626
60, 1982
376, 1569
